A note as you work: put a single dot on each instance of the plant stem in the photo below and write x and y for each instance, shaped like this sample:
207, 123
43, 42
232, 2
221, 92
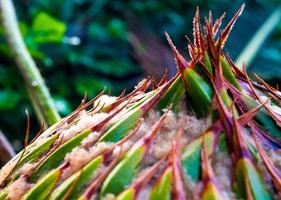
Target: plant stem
41, 99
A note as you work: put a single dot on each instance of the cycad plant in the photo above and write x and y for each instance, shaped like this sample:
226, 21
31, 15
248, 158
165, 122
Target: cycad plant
208, 133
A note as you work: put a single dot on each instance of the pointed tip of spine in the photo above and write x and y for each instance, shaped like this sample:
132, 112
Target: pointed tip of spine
225, 33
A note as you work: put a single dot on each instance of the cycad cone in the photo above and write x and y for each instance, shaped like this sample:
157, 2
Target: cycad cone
208, 133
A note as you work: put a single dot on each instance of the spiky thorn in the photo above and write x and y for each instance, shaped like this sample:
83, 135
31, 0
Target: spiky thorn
273, 171
141, 181
42, 159
95, 185
226, 31
180, 61
210, 38
142, 87
197, 34
41, 130
178, 192
225, 115
272, 90
190, 47
72, 116
274, 116
4, 180
208, 176
164, 78
245, 118
217, 24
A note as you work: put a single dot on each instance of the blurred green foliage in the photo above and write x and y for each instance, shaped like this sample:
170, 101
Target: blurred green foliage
82, 46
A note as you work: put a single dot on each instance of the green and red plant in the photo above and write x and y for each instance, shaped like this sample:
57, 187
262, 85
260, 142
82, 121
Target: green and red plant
208, 133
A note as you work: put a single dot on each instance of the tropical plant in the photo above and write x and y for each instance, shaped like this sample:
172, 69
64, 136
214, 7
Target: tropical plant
210, 132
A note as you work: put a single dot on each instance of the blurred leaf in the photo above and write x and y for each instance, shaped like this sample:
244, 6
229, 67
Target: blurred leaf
117, 29
47, 29
96, 31
254, 45
117, 67
91, 85
8, 99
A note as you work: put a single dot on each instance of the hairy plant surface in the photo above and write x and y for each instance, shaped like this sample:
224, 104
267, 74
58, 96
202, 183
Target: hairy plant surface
208, 133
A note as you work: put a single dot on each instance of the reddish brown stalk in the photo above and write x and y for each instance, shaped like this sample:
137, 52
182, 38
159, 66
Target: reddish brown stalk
207, 171
181, 62
275, 116
148, 138
149, 104
108, 152
41, 130
145, 84
245, 118
239, 74
145, 141
270, 89
44, 157
241, 147
274, 172
266, 139
226, 31
72, 187
217, 24
178, 186
190, 47
249, 195
225, 115
23, 151
197, 34
81, 107
95, 185
218, 78
96, 108
210, 37
146, 177
164, 78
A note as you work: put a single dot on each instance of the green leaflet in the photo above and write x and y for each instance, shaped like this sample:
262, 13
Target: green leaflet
207, 62
122, 127
33, 152
198, 90
3, 195
222, 143
54, 159
225, 98
42, 189
245, 171
82, 177
126, 195
211, 193
267, 123
191, 156
173, 95
228, 74
123, 172
162, 188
